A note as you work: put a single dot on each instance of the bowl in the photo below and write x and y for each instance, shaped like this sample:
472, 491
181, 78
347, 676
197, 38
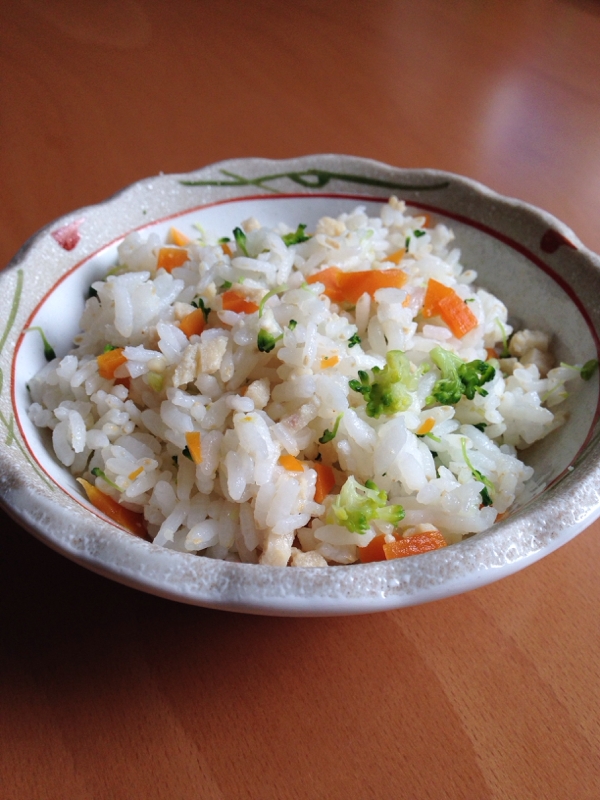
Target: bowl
534, 263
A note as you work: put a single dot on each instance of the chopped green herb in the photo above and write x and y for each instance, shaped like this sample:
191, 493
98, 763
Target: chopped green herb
224, 240
419, 233
108, 348
198, 302
226, 285
589, 368
407, 243
297, 237
357, 505
186, 453
240, 240
481, 426
266, 341
329, 435
429, 436
391, 388
487, 484
277, 290
292, 324
470, 300
354, 340
97, 472
49, 353
458, 377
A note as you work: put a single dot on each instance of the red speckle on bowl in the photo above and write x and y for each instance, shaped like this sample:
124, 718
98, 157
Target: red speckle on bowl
68, 235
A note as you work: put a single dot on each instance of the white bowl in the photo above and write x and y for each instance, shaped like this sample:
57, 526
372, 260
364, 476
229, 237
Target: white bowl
535, 264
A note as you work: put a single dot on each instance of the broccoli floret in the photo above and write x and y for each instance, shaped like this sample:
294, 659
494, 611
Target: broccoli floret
458, 377
266, 341
391, 387
240, 240
297, 237
328, 435
356, 505
488, 486
49, 353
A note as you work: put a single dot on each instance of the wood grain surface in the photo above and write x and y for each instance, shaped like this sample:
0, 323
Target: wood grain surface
106, 692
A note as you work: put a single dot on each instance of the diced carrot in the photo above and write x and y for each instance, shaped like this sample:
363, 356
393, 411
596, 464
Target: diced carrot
109, 361
179, 238
194, 443
443, 301
372, 551
330, 277
348, 287
426, 426
491, 352
329, 361
413, 545
130, 520
291, 463
435, 292
406, 301
325, 480
171, 257
427, 220
226, 249
136, 473
232, 301
193, 323
395, 257
457, 315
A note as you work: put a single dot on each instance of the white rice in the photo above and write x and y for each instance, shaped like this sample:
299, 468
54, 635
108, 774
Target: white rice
240, 501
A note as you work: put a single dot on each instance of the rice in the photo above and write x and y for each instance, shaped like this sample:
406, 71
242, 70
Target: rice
284, 398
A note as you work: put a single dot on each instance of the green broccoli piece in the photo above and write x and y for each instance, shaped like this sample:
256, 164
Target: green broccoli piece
356, 505
458, 377
240, 240
297, 237
266, 341
391, 387
328, 435
198, 302
49, 353
486, 499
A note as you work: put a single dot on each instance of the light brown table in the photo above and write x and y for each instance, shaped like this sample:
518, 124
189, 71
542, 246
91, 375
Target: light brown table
106, 692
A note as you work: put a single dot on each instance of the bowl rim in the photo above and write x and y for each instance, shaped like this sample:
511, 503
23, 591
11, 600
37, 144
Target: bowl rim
96, 543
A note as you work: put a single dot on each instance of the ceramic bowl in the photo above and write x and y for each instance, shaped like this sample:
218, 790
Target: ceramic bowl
529, 259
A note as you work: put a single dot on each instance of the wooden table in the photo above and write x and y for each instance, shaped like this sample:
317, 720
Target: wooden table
106, 692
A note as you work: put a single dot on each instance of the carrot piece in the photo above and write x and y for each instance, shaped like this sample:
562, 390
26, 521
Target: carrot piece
179, 238
372, 551
441, 300
426, 426
226, 249
109, 361
435, 292
130, 520
194, 443
396, 257
348, 287
457, 315
232, 301
171, 257
330, 277
329, 361
136, 473
491, 352
406, 301
413, 545
291, 463
193, 323
427, 221
325, 480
